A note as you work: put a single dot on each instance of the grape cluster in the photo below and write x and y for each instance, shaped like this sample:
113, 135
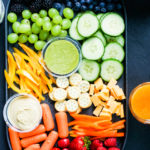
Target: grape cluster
98, 6
37, 28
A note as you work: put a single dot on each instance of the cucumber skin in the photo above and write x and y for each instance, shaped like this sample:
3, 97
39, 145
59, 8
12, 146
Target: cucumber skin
112, 60
89, 39
103, 19
98, 73
90, 12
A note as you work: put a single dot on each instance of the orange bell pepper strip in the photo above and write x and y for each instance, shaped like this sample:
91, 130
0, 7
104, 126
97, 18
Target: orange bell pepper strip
11, 84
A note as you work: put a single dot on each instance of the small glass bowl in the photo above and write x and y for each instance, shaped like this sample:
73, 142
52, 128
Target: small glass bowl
144, 121
5, 112
75, 43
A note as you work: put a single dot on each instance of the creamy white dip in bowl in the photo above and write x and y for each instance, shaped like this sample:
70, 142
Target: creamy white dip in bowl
22, 112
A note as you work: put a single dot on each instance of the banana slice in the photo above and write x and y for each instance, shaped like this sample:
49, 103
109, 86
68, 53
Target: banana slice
72, 105
84, 100
73, 92
60, 106
62, 82
78, 110
51, 94
84, 86
59, 94
75, 79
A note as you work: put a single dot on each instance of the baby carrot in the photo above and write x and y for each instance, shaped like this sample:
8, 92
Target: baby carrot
62, 124
40, 129
50, 141
14, 140
33, 140
33, 147
47, 117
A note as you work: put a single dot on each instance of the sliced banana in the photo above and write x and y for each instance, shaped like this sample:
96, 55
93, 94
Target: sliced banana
78, 110
59, 94
75, 79
73, 92
60, 106
84, 86
72, 105
51, 95
62, 82
84, 100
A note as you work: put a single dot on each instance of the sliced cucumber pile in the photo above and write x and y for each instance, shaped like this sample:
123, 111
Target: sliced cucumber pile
87, 24
111, 68
92, 48
89, 70
112, 24
103, 44
114, 50
73, 30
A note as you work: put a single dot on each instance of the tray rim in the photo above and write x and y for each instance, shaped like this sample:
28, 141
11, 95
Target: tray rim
125, 77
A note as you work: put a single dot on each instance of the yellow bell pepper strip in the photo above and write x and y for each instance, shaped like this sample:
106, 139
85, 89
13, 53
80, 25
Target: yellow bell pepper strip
11, 84
34, 88
19, 60
44, 87
24, 56
27, 75
11, 66
16, 80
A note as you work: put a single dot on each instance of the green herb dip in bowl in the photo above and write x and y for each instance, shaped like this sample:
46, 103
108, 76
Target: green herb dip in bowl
62, 56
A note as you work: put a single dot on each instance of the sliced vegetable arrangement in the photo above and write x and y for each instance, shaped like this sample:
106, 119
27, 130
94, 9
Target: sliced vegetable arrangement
92, 83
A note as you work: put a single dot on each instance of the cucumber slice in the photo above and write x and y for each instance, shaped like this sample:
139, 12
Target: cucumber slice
92, 48
87, 24
111, 68
114, 50
89, 70
100, 35
99, 16
119, 39
73, 30
112, 24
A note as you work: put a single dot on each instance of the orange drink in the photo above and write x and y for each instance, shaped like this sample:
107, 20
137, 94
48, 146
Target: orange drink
139, 102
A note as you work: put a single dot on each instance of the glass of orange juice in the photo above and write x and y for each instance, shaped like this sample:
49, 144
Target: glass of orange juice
139, 102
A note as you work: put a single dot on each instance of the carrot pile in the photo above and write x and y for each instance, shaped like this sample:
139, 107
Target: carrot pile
26, 71
31, 140
97, 127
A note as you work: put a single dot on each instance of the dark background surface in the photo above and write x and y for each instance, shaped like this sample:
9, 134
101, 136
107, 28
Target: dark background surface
138, 70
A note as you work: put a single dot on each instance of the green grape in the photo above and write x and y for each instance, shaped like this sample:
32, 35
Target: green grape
66, 23
16, 26
35, 28
47, 26
39, 45
22, 38
34, 17
24, 28
63, 33
49, 37
52, 12
43, 13
46, 19
32, 38
26, 14
43, 35
12, 17
56, 29
29, 32
25, 21
12, 38
68, 13
57, 19
39, 21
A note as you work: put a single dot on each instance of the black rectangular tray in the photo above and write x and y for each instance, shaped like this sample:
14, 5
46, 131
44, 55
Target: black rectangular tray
122, 81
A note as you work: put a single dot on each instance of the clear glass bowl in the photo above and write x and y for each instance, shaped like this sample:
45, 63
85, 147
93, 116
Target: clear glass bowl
2, 11
144, 121
75, 43
5, 112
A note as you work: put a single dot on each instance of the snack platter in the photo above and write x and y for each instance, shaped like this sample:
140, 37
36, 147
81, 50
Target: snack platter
88, 111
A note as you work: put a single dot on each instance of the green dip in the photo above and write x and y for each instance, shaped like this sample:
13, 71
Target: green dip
61, 57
